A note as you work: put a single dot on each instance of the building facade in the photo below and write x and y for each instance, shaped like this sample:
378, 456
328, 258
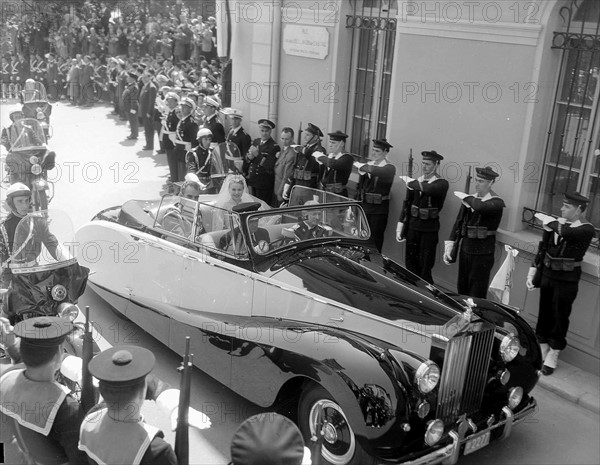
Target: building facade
511, 85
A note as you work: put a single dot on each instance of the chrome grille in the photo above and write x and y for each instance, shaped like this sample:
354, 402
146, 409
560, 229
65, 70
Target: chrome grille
464, 372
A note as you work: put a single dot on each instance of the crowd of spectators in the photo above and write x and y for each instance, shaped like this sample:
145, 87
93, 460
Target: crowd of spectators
57, 45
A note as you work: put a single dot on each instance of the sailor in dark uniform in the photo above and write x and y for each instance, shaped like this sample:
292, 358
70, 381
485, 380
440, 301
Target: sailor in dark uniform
306, 168
114, 431
374, 185
185, 136
422, 216
558, 266
259, 164
36, 410
169, 123
476, 224
211, 121
337, 166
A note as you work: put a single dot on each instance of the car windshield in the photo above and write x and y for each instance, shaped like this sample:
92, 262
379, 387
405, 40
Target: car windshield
301, 194
45, 240
273, 230
26, 134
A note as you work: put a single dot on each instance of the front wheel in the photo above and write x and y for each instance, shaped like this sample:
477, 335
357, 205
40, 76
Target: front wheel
339, 443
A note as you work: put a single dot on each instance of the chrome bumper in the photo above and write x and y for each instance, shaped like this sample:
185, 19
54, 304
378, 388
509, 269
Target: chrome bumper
449, 454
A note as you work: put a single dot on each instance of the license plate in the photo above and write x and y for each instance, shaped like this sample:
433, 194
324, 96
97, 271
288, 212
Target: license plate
477, 443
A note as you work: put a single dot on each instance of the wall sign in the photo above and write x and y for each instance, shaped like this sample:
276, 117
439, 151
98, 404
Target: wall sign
306, 41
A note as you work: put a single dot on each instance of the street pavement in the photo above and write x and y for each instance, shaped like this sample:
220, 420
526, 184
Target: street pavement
98, 168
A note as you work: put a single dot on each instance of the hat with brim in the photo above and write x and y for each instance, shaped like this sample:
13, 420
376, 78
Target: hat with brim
382, 144
233, 113
575, 198
189, 102
265, 123
314, 130
432, 155
267, 439
132, 75
172, 95
337, 136
212, 102
44, 331
486, 173
122, 366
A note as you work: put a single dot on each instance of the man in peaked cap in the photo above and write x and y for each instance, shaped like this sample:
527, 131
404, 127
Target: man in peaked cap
421, 216
269, 439
306, 168
131, 104
259, 165
147, 99
124, 384
557, 265
169, 123
374, 186
211, 121
35, 409
337, 166
237, 134
476, 225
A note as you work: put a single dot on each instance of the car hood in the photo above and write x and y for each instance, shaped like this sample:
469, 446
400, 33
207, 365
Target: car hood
369, 283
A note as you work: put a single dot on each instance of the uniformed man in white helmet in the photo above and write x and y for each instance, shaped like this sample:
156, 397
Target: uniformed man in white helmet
18, 202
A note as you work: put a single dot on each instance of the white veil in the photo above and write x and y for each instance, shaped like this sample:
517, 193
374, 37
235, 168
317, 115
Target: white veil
224, 199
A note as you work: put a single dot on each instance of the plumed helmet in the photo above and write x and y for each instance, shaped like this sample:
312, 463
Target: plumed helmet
17, 189
204, 132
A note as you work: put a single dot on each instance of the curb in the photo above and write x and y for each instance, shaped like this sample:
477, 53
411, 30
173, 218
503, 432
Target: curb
574, 385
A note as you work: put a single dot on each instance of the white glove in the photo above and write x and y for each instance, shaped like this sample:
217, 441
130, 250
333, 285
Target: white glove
406, 179
359, 165
399, 228
561, 220
317, 156
286, 191
448, 248
168, 402
133, 112
530, 275
307, 457
192, 177
461, 195
545, 219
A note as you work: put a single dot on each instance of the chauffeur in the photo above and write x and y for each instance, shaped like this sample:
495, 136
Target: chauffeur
259, 164
374, 185
306, 168
115, 432
422, 216
558, 260
185, 136
337, 167
476, 224
37, 410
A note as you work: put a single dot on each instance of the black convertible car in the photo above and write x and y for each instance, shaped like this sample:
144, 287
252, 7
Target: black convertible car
293, 308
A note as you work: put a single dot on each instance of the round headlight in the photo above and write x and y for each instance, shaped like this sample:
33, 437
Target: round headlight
423, 409
34, 160
36, 169
434, 432
515, 396
427, 376
59, 292
509, 348
68, 310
